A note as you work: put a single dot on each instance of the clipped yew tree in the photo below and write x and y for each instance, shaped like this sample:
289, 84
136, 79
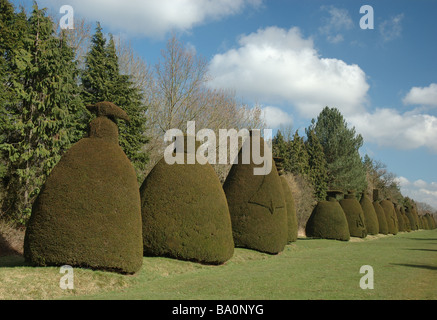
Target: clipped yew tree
383, 228
370, 217
184, 210
289, 203
256, 201
406, 219
328, 220
88, 211
430, 220
411, 218
400, 218
354, 215
390, 216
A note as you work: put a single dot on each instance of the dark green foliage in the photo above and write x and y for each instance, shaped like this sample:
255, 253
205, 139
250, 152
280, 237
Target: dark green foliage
430, 220
291, 210
382, 221
354, 216
257, 207
185, 214
88, 213
318, 166
411, 218
341, 147
400, 218
42, 113
390, 216
370, 217
102, 81
407, 223
328, 221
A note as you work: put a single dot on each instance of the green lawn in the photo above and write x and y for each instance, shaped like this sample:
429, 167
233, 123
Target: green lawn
405, 267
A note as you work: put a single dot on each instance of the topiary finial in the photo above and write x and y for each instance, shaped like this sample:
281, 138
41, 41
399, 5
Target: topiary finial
108, 109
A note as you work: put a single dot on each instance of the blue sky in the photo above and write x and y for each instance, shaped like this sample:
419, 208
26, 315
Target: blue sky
296, 57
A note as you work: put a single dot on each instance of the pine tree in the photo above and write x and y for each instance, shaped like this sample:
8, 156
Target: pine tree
280, 149
341, 147
42, 119
318, 167
298, 155
102, 81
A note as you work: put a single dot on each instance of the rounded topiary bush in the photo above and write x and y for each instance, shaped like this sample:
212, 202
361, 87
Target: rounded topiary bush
411, 218
390, 216
256, 204
400, 218
382, 222
406, 220
354, 215
431, 221
88, 211
328, 221
185, 214
370, 217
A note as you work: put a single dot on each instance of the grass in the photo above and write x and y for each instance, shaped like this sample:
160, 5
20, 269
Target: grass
405, 267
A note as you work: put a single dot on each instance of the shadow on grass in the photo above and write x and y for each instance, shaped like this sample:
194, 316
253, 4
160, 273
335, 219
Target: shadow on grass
430, 250
422, 266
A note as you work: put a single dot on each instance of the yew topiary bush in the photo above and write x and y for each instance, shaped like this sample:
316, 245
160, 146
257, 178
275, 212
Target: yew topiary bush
328, 221
390, 216
257, 206
383, 228
370, 217
88, 212
354, 215
185, 214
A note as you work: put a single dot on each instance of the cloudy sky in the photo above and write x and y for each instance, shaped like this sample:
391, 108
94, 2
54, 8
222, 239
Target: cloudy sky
296, 57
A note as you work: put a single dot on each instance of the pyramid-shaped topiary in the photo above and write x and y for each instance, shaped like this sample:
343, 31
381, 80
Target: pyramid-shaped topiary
256, 203
88, 211
184, 212
328, 220
354, 215
390, 216
370, 217
382, 222
289, 203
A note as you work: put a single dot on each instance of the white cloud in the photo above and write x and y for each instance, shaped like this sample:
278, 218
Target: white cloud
391, 29
275, 65
419, 190
154, 17
422, 96
402, 181
338, 21
388, 127
276, 117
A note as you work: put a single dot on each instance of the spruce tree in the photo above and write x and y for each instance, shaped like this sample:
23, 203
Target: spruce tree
298, 155
41, 116
102, 81
318, 167
341, 147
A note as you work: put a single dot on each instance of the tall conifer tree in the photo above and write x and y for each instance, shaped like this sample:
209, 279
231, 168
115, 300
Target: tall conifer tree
42, 115
102, 81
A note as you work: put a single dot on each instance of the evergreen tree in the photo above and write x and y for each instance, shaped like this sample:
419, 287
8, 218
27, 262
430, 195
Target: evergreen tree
298, 155
102, 81
340, 146
280, 149
42, 118
318, 167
